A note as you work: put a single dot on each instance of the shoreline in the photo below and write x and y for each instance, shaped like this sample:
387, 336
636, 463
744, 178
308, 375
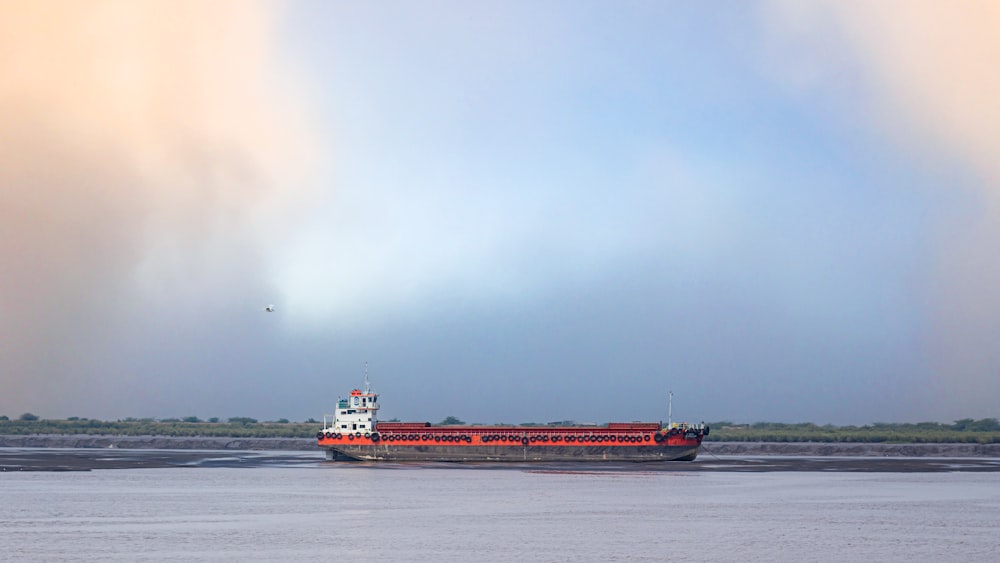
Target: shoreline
849, 449
764, 449
100, 441
90, 452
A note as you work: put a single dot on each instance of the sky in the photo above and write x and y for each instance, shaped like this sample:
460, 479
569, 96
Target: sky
502, 211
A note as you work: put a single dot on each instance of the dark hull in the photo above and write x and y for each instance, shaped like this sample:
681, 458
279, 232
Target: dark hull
512, 452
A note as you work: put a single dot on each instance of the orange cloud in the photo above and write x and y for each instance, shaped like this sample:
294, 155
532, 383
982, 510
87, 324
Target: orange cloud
930, 74
142, 140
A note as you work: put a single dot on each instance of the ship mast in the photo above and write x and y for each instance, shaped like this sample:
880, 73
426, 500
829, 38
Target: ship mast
368, 387
670, 410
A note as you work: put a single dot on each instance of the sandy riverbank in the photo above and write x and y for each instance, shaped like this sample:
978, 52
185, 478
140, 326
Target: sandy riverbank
815, 449
309, 444
156, 442
60, 459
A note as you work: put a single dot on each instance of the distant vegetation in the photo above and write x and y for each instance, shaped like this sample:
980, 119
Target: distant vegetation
235, 427
967, 430
982, 431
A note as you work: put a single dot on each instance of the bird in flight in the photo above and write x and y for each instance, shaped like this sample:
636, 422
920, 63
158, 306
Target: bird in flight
269, 308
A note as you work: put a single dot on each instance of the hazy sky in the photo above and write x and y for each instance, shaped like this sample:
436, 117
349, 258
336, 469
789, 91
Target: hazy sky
512, 211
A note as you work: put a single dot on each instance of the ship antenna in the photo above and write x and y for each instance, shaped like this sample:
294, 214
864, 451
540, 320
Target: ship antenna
670, 410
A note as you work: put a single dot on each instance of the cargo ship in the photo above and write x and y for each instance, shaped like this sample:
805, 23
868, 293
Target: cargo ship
353, 433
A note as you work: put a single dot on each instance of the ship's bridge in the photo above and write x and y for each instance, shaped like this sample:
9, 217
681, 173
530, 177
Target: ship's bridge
355, 414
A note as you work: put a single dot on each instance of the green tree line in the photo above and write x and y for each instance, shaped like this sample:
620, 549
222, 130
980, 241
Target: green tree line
235, 427
967, 430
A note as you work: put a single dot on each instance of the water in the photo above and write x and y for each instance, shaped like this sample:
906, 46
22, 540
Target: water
324, 511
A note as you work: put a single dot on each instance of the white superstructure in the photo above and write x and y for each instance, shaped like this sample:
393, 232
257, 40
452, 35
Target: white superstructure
354, 415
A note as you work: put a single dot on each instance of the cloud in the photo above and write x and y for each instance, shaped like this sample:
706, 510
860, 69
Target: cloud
142, 143
927, 76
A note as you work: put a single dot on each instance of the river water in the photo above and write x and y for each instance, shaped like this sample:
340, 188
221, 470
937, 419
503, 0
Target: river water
340, 511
